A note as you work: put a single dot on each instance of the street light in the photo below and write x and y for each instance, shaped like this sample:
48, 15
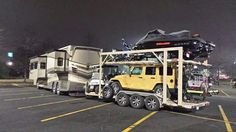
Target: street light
9, 63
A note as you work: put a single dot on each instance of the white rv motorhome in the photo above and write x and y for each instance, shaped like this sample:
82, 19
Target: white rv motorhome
37, 68
69, 68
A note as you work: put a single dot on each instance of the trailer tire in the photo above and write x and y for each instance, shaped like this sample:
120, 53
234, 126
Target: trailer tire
136, 101
107, 93
122, 99
152, 103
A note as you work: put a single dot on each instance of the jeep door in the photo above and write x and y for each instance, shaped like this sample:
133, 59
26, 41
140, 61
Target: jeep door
135, 80
170, 76
149, 79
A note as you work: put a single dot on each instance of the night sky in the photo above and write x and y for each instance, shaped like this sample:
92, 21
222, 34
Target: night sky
105, 22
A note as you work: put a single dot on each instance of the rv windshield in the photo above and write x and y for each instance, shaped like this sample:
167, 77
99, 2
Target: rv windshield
86, 57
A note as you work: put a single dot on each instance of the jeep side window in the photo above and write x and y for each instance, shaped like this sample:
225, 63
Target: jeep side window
169, 71
150, 71
137, 71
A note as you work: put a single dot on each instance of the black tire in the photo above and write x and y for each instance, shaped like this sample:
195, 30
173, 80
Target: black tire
87, 88
38, 86
116, 87
56, 89
136, 101
122, 99
53, 88
158, 88
107, 93
96, 89
152, 103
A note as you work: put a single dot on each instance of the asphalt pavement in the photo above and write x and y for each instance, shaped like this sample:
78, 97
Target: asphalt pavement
27, 109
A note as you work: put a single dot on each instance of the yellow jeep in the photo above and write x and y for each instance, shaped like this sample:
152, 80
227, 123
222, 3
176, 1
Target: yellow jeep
147, 78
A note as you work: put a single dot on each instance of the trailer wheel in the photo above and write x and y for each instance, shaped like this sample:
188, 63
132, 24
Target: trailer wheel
136, 101
152, 103
107, 93
122, 99
116, 87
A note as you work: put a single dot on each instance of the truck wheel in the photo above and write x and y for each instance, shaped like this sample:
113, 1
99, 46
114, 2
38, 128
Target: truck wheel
136, 101
96, 89
152, 103
87, 88
107, 93
122, 99
116, 87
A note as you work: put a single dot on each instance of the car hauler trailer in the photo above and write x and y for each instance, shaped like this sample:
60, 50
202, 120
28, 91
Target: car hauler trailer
69, 68
137, 97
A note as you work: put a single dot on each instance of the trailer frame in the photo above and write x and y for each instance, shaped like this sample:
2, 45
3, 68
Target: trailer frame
107, 58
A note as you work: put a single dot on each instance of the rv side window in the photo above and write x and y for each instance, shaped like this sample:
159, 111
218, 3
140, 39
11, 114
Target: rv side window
59, 61
169, 71
42, 65
150, 70
31, 66
35, 65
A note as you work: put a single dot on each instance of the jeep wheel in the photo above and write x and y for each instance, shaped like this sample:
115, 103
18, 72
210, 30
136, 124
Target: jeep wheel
107, 93
136, 101
96, 89
122, 99
116, 87
159, 89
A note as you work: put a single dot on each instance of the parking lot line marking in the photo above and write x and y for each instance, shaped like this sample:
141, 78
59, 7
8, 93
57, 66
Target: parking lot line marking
49, 103
22, 93
201, 117
74, 112
33, 97
16, 91
225, 93
139, 122
227, 123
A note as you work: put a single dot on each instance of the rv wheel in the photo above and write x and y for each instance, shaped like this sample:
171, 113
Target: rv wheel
58, 92
53, 88
136, 101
